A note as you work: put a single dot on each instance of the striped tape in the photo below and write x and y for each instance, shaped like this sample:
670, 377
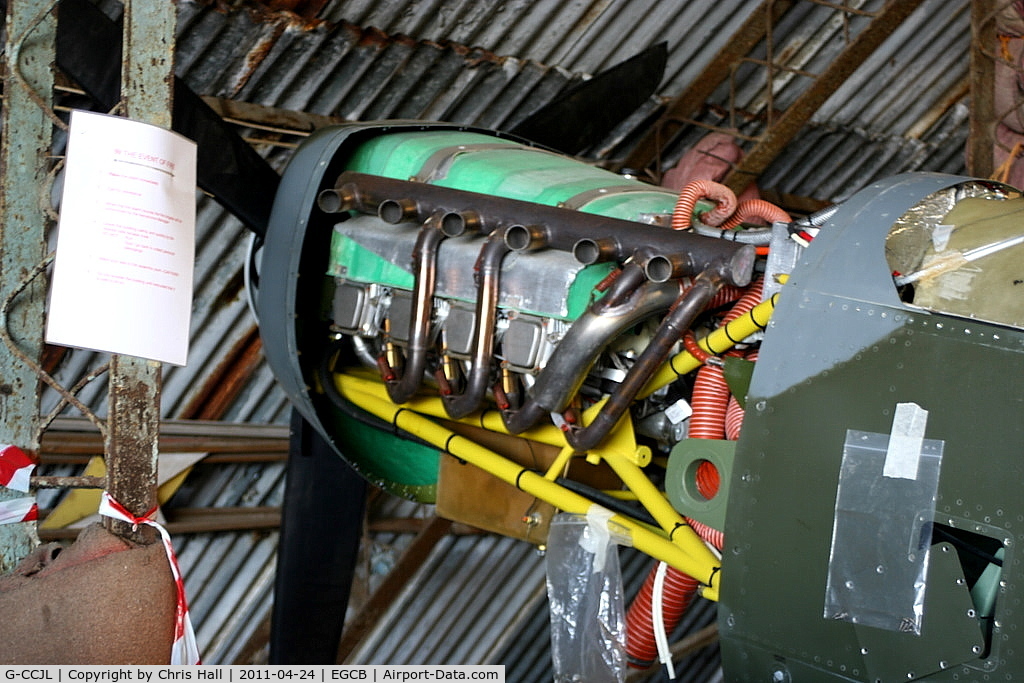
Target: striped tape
184, 650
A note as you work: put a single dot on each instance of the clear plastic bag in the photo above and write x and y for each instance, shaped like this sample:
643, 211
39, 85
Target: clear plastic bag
584, 581
881, 534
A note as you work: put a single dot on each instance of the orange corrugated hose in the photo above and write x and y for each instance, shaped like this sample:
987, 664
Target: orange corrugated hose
733, 419
751, 209
726, 295
678, 592
734, 413
750, 298
710, 406
641, 647
710, 401
724, 198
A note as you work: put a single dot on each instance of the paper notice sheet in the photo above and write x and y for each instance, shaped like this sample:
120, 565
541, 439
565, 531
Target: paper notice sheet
122, 279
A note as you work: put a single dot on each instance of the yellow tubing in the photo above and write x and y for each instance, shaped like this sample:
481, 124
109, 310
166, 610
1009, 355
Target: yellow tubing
557, 467
653, 500
683, 549
717, 342
431, 405
687, 554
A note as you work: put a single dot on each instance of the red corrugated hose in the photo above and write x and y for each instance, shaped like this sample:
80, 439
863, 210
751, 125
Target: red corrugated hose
710, 402
695, 190
751, 209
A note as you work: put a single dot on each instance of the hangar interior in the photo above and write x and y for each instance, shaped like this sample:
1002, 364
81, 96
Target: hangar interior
810, 101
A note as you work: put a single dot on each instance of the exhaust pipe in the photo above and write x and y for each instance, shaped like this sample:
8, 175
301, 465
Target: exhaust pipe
629, 300
562, 229
488, 273
655, 259
684, 310
402, 382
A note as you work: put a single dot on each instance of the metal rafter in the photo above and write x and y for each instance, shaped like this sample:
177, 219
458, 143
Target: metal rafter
982, 138
693, 98
781, 127
788, 124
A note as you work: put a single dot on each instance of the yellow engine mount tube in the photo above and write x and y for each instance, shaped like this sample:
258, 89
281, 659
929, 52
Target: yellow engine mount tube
685, 550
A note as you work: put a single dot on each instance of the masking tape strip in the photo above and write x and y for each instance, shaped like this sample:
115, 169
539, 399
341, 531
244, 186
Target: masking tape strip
905, 441
598, 536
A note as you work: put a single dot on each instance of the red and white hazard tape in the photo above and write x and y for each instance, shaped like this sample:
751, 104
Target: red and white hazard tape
15, 472
16, 510
184, 650
15, 468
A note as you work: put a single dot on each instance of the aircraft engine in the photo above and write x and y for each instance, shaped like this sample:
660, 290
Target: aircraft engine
813, 421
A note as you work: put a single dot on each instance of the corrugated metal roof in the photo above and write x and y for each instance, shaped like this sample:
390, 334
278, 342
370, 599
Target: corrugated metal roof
898, 97
581, 36
353, 72
461, 616
491, 64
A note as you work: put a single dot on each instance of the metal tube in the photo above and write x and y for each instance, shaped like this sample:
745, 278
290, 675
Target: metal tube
28, 82
718, 342
524, 237
81, 482
684, 551
488, 289
341, 198
455, 223
629, 300
755, 236
588, 250
689, 305
560, 228
661, 268
396, 211
133, 421
424, 257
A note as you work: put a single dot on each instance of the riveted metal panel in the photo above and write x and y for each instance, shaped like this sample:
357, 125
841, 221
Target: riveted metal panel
841, 352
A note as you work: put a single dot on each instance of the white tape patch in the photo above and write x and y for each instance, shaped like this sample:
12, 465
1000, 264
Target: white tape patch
941, 235
905, 441
598, 537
